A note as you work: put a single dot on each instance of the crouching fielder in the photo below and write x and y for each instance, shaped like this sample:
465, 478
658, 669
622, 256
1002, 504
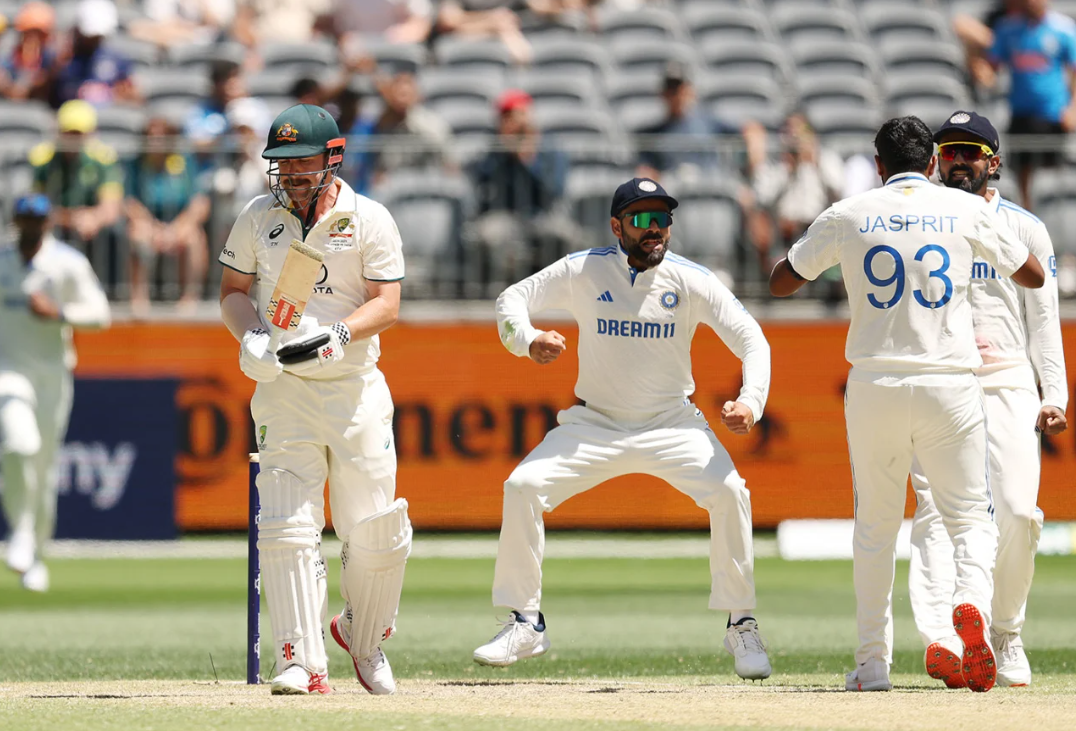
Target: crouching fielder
637, 311
46, 289
1018, 332
327, 413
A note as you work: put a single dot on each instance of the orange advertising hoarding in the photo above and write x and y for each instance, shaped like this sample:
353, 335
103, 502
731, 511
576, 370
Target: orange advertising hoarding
467, 412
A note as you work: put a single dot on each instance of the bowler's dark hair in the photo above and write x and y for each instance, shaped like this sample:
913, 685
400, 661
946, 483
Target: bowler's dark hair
905, 145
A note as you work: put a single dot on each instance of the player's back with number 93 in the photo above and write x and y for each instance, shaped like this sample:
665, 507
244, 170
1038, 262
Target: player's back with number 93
906, 252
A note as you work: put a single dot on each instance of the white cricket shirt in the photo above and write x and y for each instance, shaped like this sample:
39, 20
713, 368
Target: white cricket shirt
360, 241
905, 252
1018, 330
66, 277
635, 328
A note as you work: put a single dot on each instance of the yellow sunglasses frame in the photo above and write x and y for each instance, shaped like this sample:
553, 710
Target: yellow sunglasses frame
985, 148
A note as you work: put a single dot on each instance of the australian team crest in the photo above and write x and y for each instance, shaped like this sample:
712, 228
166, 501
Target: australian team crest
669, 300
287, 133
339, 225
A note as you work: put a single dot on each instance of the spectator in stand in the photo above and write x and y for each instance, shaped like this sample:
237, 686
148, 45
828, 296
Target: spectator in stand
396, 21
977, 36
175, 22
29, 71
684, 120
207, 121
1039, 48
277, 21
518, 186
90, 70
80, 176
166, 213
411, 136
469, 19
791, 191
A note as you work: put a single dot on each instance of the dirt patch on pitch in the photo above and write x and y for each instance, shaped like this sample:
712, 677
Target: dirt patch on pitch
684, 703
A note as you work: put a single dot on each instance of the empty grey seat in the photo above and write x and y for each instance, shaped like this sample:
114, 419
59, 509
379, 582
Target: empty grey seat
204, 54
275, 82
910, 88
838, 91
801, 24
470, 53
388, 55
923, 57
896, 23
159, 83
547, 87
430, 209
121, 118
745, 58
640, 24
708, 223
575, 55
707, 23
835, 59
587, 135
140, 53
846, 129
298, 55
652, 55
735, 101
448, 86
469, 121
23, 125
175, 109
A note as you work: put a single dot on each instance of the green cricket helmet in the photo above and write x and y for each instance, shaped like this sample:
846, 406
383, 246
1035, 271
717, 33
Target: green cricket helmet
303, 130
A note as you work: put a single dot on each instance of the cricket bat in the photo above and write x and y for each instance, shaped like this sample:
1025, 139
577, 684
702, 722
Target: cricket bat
302, 265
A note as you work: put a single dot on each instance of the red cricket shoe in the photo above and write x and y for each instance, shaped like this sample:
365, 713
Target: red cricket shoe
944, 664
979, 667
319, 684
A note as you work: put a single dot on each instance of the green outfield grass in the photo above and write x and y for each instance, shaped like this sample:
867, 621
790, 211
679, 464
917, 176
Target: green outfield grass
622, 621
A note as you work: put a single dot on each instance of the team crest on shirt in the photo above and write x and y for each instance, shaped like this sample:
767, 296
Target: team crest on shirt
287, 133
669, 300
340, 234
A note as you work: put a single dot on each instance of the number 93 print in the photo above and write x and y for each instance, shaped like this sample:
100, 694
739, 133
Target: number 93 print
897, 277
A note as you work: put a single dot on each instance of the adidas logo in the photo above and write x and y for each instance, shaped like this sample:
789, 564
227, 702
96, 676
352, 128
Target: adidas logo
605, 297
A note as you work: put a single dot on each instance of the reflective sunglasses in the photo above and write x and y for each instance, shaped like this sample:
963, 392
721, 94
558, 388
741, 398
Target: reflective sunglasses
643, 219
970, 151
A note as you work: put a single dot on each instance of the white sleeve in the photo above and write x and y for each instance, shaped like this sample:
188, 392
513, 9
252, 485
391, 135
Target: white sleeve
84, 302
820, 246
742, 335
549, 289
1043, 318
382, 250
238, 252
995, 241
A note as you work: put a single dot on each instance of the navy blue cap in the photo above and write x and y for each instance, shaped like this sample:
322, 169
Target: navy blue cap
974, 124
638, 189
35, 205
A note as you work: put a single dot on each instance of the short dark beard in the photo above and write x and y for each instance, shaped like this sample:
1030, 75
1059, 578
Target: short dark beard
635, 250
969, 184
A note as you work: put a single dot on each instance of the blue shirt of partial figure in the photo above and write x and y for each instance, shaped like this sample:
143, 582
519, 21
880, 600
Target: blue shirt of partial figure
1039, 55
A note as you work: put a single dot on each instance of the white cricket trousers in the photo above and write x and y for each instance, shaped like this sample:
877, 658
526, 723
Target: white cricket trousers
34, 411
1013, 446
590, 447
940, 419
309, 431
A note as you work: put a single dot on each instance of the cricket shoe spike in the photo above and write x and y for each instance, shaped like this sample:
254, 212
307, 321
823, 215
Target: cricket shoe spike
36, 578
517, 640
871, 675
1013, 668
943, 663
745, 644
978, 665
297, 680
374, 672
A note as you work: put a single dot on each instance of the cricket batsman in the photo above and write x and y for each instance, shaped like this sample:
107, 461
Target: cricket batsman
47, 288
1018, 333
321, 409
638, 307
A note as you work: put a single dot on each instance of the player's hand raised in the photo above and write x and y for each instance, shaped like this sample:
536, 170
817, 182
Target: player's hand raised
547, 347
1051, 421
736, 417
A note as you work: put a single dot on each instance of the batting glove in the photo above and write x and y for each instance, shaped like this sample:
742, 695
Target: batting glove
255, 360
317, 349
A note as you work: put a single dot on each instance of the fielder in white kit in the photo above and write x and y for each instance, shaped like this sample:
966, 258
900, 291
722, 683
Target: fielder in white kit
905, 252
328, 416
47, 288
1018, 332
637, 307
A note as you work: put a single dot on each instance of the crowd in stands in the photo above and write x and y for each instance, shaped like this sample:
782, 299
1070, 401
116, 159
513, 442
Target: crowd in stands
496, 129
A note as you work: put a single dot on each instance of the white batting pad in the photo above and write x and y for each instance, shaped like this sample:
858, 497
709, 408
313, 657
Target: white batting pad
374, 557
289, 543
